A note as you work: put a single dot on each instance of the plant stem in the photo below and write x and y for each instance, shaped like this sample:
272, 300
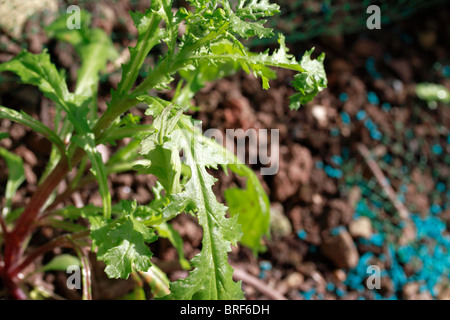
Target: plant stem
87, 284
3, 228
25, 222
60, 241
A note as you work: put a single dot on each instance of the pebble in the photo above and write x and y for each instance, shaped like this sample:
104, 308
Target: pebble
340, 275
340, 249
294, 280
361, 227
279, 223
319, 112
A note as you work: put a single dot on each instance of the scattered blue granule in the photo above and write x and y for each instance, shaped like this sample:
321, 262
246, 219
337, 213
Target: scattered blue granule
312, 249
433, 254
440, 186
448, 139
404, 188
437, 149
404, 169
429, 227
378, 204
386, 106
362, 114
387, 158
337, 160
361, 298
370, 67
345, 152
340, 292
330, 286
372, 98
265, 265
337, 230
319, 164
334, 132
332, 172
362, 209
369, 124
308, 294
301, 234
396, 272
356, 276
343, 97
406, 253
435, 209
345, 118
446, 71
376, 240
423, 288
376, 134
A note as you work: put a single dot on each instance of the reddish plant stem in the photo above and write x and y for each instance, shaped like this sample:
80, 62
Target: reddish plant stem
3, 227
64, 240
68, 192
24, 224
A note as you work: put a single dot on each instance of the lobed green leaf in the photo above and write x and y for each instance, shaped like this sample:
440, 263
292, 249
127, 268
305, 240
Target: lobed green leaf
122, 244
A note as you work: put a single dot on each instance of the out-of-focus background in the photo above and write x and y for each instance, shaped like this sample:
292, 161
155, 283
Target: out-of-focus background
364, 172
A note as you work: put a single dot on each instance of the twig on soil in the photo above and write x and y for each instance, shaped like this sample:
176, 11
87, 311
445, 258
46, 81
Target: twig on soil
271, 293
383, 182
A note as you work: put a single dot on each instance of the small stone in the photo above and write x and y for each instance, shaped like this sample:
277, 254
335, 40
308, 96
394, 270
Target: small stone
408, 234
320, 114
361, 227
340, 275
444, 293
279, 223
340, 249
15, 13
410, 290
317, 199
294, 280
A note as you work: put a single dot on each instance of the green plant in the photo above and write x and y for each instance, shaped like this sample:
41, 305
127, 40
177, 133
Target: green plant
208, 49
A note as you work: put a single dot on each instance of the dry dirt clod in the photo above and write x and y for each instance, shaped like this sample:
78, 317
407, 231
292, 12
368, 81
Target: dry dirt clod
340, 249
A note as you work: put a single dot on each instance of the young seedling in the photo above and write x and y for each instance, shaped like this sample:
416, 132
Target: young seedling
209, 48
